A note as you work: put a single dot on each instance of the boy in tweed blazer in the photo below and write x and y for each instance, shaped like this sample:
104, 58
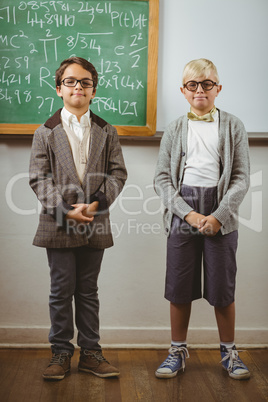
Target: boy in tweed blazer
202, 176
77, 171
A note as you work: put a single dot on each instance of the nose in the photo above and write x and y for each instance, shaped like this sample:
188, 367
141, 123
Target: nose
199, 88
78, 83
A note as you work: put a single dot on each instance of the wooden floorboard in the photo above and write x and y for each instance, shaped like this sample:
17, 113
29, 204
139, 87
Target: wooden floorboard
204, 380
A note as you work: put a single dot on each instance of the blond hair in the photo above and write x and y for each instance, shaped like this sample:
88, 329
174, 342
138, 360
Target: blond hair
199, 68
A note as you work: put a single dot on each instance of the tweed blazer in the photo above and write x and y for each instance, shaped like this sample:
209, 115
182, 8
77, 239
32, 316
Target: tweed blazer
234, 170
54, 179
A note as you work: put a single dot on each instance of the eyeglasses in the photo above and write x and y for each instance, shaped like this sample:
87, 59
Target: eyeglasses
72, 82
207, 85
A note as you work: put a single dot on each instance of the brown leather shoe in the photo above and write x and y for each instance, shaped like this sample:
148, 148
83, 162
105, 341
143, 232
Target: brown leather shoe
59, 365
92, 361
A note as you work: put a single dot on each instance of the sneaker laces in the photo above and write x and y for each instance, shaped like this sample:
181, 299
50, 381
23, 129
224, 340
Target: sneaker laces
59, 359
174, 353
234, 362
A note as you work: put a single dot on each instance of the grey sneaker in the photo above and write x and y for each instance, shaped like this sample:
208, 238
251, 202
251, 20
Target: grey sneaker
59, 365
92, 361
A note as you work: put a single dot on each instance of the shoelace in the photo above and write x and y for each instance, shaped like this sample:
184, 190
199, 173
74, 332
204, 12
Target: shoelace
175, 352
58, 359
234, 361
97, 355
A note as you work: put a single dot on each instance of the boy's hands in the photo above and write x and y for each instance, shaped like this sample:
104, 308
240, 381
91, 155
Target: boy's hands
83, 213
91, 209
207, 225
194, 219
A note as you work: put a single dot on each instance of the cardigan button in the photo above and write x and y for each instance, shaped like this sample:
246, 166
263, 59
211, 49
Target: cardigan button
183, 154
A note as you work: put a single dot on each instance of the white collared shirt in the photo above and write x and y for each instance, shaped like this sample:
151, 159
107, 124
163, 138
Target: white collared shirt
72, 122
78, 134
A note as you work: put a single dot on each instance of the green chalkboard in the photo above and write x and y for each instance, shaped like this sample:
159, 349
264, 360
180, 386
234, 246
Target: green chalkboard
118, 37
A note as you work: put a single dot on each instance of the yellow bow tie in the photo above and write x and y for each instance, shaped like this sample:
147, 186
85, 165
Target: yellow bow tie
206, 117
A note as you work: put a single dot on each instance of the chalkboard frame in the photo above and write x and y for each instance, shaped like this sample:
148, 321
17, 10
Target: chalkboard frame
150, 128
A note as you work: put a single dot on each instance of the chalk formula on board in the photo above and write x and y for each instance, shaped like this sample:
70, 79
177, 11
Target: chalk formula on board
36, 36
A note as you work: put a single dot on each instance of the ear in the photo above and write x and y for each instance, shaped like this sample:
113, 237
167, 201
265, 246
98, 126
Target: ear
183, 91
93, 93
219, 88
58, 90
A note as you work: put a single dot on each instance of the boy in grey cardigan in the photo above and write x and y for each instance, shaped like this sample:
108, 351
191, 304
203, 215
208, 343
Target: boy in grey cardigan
202, 176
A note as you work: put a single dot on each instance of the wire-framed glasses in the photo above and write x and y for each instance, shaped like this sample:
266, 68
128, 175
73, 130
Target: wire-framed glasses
72, 82
207, 85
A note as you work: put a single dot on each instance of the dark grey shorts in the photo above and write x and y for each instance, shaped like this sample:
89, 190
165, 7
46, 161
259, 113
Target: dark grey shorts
187, 248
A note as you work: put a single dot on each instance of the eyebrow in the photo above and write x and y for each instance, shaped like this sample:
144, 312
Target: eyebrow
85, 78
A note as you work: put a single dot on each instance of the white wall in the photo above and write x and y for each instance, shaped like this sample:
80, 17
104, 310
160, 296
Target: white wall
131, 285
231, 33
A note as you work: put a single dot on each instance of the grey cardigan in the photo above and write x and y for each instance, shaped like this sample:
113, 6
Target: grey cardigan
234, 173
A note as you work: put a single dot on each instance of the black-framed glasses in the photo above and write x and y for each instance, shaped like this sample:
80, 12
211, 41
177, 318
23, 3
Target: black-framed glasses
72, 82
207, 85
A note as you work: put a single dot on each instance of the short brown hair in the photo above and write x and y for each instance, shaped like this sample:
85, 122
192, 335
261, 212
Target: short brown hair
76, 60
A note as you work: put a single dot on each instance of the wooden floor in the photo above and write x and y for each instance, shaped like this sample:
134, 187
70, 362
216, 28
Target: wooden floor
203, 380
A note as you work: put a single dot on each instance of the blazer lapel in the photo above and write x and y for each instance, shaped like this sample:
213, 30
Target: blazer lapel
59, 143
97, 142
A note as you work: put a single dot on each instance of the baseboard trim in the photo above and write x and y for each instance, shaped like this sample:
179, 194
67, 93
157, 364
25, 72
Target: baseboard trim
128, 346
133, 337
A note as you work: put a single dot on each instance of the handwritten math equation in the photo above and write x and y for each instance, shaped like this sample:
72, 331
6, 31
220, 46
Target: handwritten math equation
35, 36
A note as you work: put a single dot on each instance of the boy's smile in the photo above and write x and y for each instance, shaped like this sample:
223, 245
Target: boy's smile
76, 99
201, 101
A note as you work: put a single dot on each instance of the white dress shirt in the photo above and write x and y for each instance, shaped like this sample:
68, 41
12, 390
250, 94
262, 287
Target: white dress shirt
72, 122
78, 134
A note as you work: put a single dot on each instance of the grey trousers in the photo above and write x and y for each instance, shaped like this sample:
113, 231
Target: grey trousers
74, 273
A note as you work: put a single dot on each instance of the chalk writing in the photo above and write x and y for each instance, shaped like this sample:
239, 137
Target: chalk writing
35, 36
